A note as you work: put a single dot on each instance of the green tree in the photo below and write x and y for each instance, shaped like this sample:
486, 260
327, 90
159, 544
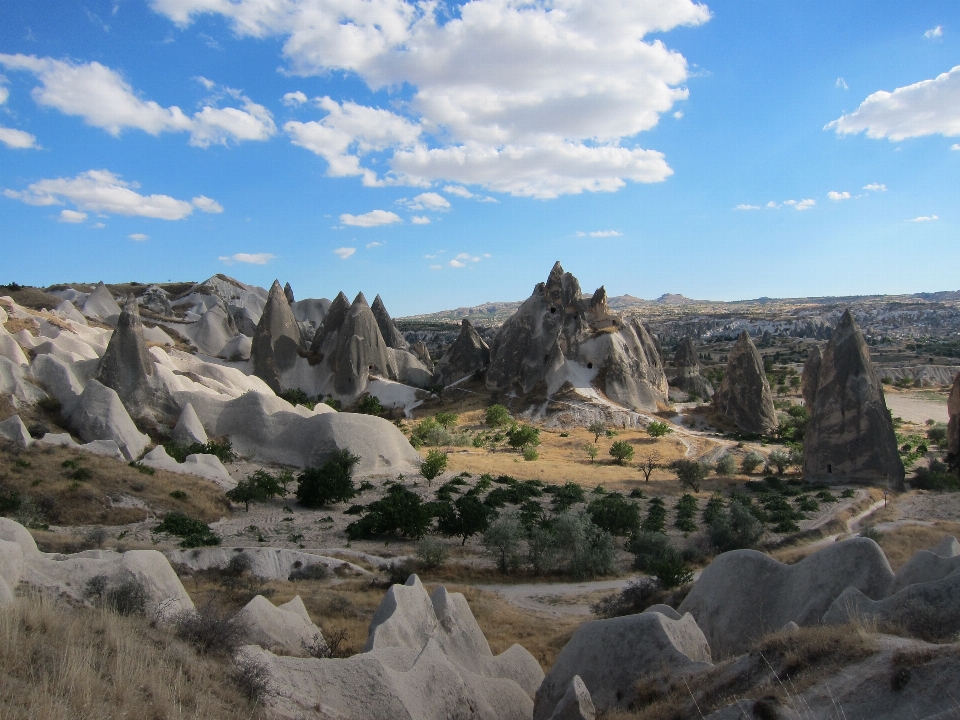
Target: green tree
370, 405
690, 473
751, 461
433, 465
670, 570
658, 429
330, 483
734, 529
621, 451
446, 419
780, 460
521, 436
597, 428
726, 465
615, 514
592, 451
502, 540
464, 517
497, 416
399, 512
259, 487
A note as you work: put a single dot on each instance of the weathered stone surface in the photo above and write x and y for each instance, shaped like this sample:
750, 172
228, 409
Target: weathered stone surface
929, 565
288, 293
10, 348
268, 563
610, 656
189, 429
157, 300
100, 415
126, 366
422, 352
391, 334
688, 376
283, 630
200, 464
15, 431
276, 342
332, 322
13, 381
465, 356
850, 436
100, 304
953, 410
214, 331
744, 594
58, 378
558, 337
576, 703
744, 396
68, 311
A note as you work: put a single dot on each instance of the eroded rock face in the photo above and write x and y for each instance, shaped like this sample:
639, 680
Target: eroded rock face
744, 396
288, 294
953, 427
391, 334
126, 366
422, 353
688, 376
100, 304
850, 436
557, 337
467, 354
276, 342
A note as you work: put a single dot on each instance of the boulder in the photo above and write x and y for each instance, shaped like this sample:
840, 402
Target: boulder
744, 594
10, 348
11, 563
156, 300
201, 464
268, 563
237, 349
107, 448
953, 411
59, 380
576, 703
688, 376
15, 431
283, 630
744, 396
611, 656
14, 532
189, 430
849, 436
276, 342
465, 356
556, 337
422, 352
929, 565
14, 382
391, 334
99, 415
68, 311
101, 305
214, 331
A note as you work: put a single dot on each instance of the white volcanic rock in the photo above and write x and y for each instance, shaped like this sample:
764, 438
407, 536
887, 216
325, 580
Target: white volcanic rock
576, 703
467, 354
14, 382
929, 565
59, 380
189, 429
157, 336
14, 532
283, 630
610, 656
10, 348
201, 464
100, 304
391, 335
15, 431
99, 415
269, 563
68, 311
744, 396
744, 594
688, 377
237, 348
277, 341
213, 331
107, 448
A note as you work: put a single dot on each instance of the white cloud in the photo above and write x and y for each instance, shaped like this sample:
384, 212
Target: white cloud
373, 218
934, 33
344, 252
929, 107
838, 196
98, 226
678, 114
294, 98
457, 264
205, 204
17, 139
459, 191
842, 84
139, 237
436, 267
924, 218
208, 84
875, 187
72, 216
4, 94
747, 207
801, 204
420, 220
467, 257
101, 191
591, 80
104, 99
374, 245
605, 233
248, 258
428, 201
955, 146
487, 255
772, 204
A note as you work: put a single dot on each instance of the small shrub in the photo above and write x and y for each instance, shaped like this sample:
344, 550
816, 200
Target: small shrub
735, 528
726, 465
124, 596
399, 570
583, 549
222, 449
656, 519
671, 570
779, 460
370, 405
81, 474
530, 453
870, 532
141, 468
690, 473
331, 483
313, 571
253, 679
686, 511
521, 436
192, 533
446, 419
464, 517
751, 461
647, 548
432, 552
622, 452
433, 465
502, 541
566, 495
658, 429
497, 416
179, 495
591, 450
400, 512
296, 396
636, 597
209, 630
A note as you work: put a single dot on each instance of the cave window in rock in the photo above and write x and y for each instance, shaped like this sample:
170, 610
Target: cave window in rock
552, 310
589, 366
829, 469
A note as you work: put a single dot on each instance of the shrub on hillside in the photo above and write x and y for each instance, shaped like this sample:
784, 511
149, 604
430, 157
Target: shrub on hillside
400, 512
433, 465
259, 487
734, 528
192, 533
751, 461
330, 483
615, 514
583, 549
726, 465
621, 451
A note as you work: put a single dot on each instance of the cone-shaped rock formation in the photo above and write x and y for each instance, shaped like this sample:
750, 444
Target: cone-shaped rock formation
126, 366
332, 322
850, 436
100, 304
467, 354
276, 342
953, 427
390, 332
688, 376
422, 353
288, 293
744, 396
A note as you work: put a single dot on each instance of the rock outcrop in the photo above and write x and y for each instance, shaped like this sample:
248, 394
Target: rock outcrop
101, 305
188, 430
849, 436
953, 426
276, 342
558, 337
126, 366
929, 565
13, 430
156, 300
744, 396
688, 376
422, 353
468, 354
611, 656
100, 415
744, 594
282, 629
576, 703
288, 294
388, 329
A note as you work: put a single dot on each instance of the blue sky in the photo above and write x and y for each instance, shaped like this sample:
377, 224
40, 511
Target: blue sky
445, 154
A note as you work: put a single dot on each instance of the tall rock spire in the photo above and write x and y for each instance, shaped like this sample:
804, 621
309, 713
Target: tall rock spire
391, 333
276, 341
744, 396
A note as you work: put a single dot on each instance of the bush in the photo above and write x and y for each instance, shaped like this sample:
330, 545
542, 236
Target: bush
779, 460
726, 465
671, 570
370, 405
433, 465
541, 550
751, 461
399, 571
690, 473
714, 508
583, 549
296, 396
464, 517
400, 512
647, 548
431, 552
936, 476
621, 451
446, 419
937, 434
192, 533
686, 511
259, 487
658, 429
497, 416
522, 436
615, 514
313, 571
734, 529
656, 519
502, 539
124, 596
530, 453
253, 678
222, 449
566, 495
331, 483
636, 597
209, 630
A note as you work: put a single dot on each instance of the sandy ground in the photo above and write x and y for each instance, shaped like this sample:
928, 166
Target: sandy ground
918, 408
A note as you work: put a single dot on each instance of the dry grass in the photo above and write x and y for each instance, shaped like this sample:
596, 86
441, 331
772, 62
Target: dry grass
38, 472
15, 325
901, 543
58, 662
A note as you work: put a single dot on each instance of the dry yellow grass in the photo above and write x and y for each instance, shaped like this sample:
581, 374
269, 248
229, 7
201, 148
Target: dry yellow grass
61, 662
901, 543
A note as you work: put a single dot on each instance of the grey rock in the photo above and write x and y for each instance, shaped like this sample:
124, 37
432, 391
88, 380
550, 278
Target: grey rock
422, 352
283, 630
850, 436
744, 396
58, 378
688, 376
465, 356
953, 410
576, 703
929, 565
276, 342
388, 329
214, 331
15, 431
68, 311
332, 322
288, 293
126, 366
189, 429
156, 300
744, 594
100, 304
100, 415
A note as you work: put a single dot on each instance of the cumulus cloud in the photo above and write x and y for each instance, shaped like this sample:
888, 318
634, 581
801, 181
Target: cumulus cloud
591, 81
929, 107
934, 33
4, 94
801, 204
205, 204
104, 99
101, 191
374, 245
467, 257
248, 258
458, 190
842, 84
294, 98
344, 252
427, 201
875, 187
955, 146
139, 237
838, 196
72, 216
420, 220
924, 218
743, 206
17, 139
457, 263
373, 218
